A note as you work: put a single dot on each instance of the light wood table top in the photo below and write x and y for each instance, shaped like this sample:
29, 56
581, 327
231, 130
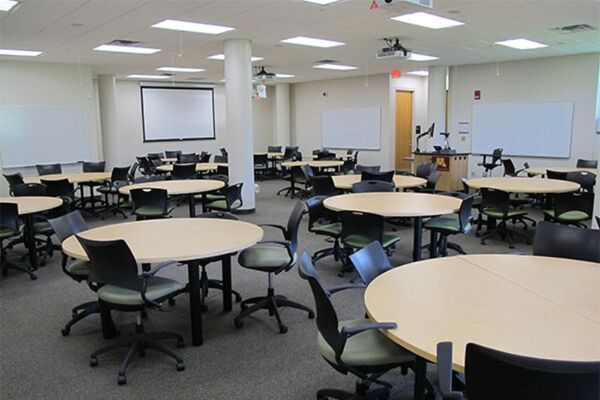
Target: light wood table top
542, 170
170, 160
524, 185
401, 181
33, 204
180, 239
533, 306
75, 177
176, 187
200, 167
314, 163
339, 156
395, 204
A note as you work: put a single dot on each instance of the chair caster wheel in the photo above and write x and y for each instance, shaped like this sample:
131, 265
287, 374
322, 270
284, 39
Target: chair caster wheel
171, 302
238, 324
93, 362
180, 343
65, 332
180, 366
33, 277
238, 299
511, 246
311, 315
282, 329
483, 242
122, 380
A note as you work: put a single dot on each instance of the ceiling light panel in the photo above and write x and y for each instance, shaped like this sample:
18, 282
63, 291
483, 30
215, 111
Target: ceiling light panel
20, 53
418, 73
145, 76
422, 57
180, 69
126, 49
221, 57
313, 42
522, 44
336, 67
6, 5
321, 2
427, 20
195, 27
283, 76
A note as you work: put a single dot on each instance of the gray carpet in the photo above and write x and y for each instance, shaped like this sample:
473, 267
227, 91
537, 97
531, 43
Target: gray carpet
254, 362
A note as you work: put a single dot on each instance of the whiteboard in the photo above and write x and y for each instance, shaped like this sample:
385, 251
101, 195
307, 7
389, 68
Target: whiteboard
43, 135
177, 113
352, 128
523, 129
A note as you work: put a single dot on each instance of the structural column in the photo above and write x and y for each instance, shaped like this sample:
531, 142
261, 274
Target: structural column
107, 98
436, 101
238, 97
282, 114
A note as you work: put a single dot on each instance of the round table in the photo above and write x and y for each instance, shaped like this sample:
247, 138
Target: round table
200, 167
389, 205
179, 187
186, 240
532, 306
524, 185
170, 160
313, 163
28, 206
75, 177
345, 182
542, 170
338, 156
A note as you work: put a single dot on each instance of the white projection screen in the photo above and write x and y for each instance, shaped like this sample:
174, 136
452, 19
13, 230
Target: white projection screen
172, 113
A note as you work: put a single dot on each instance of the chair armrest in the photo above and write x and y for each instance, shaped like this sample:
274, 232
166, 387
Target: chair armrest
280, 227
341, 288
146, 276
349, 332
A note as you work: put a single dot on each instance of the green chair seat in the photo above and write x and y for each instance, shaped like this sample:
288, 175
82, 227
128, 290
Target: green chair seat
157, 288
332, 229
149, 211
79, 267
369, 348
447, 224
571, 216
495, 213
42, 227
222, 205
6, 233
264, 257
358, 241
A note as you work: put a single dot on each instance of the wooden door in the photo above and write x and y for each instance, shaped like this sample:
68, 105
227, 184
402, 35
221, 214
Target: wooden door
404, 101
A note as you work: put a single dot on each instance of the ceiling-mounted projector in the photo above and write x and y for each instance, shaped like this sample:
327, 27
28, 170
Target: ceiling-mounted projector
263, 75
391, 3
394, 50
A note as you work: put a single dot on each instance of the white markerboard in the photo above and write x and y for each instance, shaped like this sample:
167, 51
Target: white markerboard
352, 128
523, 129
43, 135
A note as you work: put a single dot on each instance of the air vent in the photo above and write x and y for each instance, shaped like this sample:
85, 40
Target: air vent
574, 28
326, 62
123, 42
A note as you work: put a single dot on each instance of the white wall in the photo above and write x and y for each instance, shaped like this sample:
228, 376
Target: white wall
569, 78
50, 85
308, 102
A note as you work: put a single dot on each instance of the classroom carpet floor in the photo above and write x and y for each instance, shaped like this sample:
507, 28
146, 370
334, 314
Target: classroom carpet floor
254, 362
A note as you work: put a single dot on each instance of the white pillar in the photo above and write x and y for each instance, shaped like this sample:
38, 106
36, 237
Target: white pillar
107, 98
282, 115
238, 98
436, 101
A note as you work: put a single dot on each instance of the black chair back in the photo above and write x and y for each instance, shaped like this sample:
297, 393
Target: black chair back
260, 160
465, 215
190, 158
223, 151
222, 170
372, 186
424, 169
293, 225
149, 197
58, 188
359, 169
370, 262
205, 157
509, 167
357, 223
220, 159
582, 163
323, 185
575, 201
233, 193
355, 159
307, 172
9, 216
119, 174
557, 240
385, 176
497, 155
68, 225
132, 171
14, 179
562, 176
155, 156
48, 169
29, 189
348, 166
493, 375
172, 153
146, 167
432, 180
94, 166
494, 198
273, 149
183, 171
318, 213
587, 180
289, 152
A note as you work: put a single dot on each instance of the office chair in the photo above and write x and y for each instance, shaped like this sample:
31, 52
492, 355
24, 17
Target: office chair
571, 208
204, 157
359, 229
273, 149
9, 229
13, 180
273, 257
384, 176
172, 153
561, 176
155, 156
113, 267
354, 346
425, 169
48, 169
219, 159
430, 185
149, 203
582, 163
324, 222
60, 188
450, 224
191, 158
323, 185
119, 177
261, 166
496, 204
372, 186
586, 180
556, 240
496, 161
370, 262
360, 168
510, 169
78, 270
289, 152
231, 200
494, 375
183, 171
145, 166
93, 166
132, 171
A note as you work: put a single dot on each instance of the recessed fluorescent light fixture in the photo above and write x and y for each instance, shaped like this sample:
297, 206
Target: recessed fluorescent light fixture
421, 57
21, 53
221, 57
427, 20
143, 76
126, 49
321, 2
6, 5
522, 44
196, 27
419, 73
336, 67
283, 76
306, 41
179, 69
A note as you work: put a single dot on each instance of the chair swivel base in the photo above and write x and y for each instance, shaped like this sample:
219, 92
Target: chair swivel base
138, 343
362, 392
506, 234
207, 284
327, 252
270, 303
17, 267
80, 312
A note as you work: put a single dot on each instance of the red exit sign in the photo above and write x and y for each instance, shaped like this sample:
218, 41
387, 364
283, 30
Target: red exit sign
477, 94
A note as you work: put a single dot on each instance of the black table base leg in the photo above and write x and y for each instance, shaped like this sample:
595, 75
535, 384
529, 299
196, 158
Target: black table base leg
226, 275
417, 238
30, 239
195, 302
192, 205
420, 378
108, 326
